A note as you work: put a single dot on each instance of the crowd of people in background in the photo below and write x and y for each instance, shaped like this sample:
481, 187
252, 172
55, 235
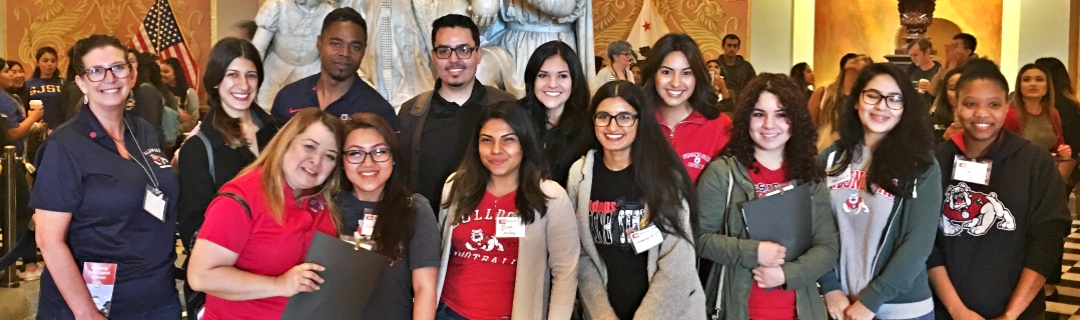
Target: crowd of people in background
937, 191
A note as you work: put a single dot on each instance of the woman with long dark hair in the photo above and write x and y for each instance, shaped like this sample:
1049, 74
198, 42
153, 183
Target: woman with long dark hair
803, 77
71, 98
17, 87
943, 111
885, 190
1065, 101
45, 84
1033, 115
379, 212
1004, 219
230, 137
172, 74
557, 97
509, 235
631, 184
677, 85
771, 148
149, 76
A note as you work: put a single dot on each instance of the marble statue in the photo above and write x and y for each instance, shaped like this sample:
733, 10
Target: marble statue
398, 60
514, 28
286, 39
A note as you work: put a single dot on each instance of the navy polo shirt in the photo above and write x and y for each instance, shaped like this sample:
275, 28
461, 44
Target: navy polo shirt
359, 98
80, 172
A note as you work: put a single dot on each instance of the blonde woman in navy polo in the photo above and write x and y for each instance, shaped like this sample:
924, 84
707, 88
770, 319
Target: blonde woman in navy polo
106, 194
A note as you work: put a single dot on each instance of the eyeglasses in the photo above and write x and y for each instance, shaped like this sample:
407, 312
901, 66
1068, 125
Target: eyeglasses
623, 119
358, 156
873, 97
463, 51
97, 74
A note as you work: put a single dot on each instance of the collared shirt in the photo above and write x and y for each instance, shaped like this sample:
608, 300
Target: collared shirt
359, 98
697, 140
12, 116
445, 135
80, 172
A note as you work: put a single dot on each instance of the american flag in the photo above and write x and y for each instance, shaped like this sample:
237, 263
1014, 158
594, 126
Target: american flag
160, 35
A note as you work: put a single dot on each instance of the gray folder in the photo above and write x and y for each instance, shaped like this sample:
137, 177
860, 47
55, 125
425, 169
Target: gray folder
783, 218
350, 278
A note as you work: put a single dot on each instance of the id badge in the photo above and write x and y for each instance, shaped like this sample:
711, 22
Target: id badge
977, 171
154, 202
509, 227
367, 225
645, 239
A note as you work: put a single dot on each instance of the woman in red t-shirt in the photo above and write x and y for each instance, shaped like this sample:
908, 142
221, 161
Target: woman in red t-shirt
249, 254
772, 148
510, 240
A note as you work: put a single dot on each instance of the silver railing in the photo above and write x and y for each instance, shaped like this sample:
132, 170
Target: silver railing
10, 279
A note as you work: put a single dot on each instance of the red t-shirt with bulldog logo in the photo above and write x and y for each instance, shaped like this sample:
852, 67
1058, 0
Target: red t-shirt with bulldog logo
480, 274
697, 140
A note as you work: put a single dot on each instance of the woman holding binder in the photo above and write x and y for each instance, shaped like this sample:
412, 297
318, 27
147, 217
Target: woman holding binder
510, 244
249, 255
772, 149
630, 185
380, 212
885, 188
1005, 217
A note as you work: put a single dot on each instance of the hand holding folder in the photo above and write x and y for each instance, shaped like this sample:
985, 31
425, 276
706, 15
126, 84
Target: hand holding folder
351, 276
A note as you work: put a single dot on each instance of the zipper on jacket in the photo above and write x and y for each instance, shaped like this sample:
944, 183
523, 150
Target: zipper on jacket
888, 230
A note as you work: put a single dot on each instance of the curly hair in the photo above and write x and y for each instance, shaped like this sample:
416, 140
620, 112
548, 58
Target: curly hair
800, 151
904, 153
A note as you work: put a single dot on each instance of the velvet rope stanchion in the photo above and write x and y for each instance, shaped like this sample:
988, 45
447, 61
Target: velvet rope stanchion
10, 279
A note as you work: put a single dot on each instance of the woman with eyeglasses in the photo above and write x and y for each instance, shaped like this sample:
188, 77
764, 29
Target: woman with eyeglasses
509, 241
106, 203
621, 55
885, 188
380, 212
630, 185
677, 85
1004, 218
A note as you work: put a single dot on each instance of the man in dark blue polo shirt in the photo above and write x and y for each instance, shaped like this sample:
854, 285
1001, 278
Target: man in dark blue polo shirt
337, 89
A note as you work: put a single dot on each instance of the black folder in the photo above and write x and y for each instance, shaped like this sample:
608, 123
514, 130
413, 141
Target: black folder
350, 278
783, 218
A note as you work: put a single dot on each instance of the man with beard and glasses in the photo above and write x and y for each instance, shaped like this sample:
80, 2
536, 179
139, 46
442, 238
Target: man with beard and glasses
337, 89
436, 125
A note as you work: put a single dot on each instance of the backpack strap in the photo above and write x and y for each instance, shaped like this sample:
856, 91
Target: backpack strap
423, 102
247, 209
210, 157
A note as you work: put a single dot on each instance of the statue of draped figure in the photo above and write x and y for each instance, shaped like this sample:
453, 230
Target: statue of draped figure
286, 40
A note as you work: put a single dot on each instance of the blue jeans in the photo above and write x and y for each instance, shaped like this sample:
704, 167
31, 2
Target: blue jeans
445, 313
48, 310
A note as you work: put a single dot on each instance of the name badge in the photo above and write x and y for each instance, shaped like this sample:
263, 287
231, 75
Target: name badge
154, 202
509, 227
367, 225
835, 180
971, 171
645, 239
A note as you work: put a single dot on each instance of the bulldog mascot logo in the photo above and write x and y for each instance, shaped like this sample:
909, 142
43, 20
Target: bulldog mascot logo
973, 211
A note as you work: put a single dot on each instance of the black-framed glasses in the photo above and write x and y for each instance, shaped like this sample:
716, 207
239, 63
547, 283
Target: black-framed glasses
463, 51
873, 97
97, 74
623, 119
358, 156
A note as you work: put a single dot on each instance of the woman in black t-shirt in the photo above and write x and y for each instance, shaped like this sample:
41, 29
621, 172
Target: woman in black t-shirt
631, 185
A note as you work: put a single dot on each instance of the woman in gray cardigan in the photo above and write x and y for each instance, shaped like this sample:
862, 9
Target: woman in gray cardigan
634, 202
509, 243
772, 148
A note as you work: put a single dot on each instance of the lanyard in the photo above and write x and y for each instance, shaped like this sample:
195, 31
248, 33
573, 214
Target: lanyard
146, 169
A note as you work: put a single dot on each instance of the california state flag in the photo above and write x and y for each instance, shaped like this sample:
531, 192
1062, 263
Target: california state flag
648, 28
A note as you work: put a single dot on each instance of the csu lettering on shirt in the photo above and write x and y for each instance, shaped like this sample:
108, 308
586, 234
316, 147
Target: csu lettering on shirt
609, 220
